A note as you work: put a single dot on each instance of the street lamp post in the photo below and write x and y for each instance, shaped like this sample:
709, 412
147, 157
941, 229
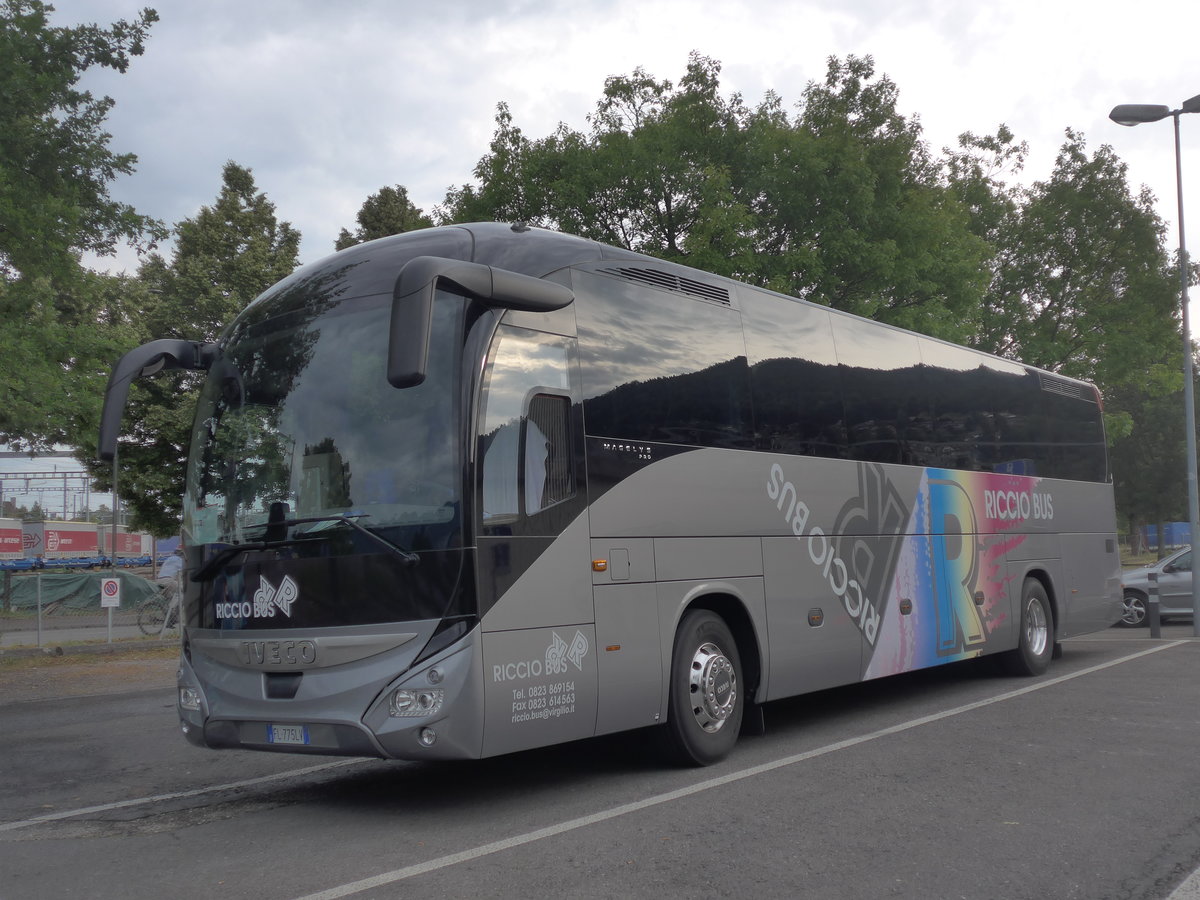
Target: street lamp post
1135, 114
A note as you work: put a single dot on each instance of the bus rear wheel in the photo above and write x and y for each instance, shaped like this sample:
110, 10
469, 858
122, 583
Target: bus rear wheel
1036, 643
707, 696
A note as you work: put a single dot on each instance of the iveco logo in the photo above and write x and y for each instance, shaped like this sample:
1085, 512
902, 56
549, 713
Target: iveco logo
278, 653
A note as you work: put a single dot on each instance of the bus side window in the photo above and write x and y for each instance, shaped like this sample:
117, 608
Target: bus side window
548, 476
524, 436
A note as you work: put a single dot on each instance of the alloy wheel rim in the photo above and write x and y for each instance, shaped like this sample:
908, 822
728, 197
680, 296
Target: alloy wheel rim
713, 687
1037, 635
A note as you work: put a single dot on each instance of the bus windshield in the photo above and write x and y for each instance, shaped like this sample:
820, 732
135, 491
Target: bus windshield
297, 421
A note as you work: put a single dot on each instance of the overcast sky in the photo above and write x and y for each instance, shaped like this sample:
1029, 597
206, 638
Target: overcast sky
328, 102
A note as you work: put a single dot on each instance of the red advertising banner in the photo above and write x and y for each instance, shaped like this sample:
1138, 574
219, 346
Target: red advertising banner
10, 538
69, 539
65, 540
129, 544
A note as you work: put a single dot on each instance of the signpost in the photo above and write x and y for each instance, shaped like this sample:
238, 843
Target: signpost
110, 599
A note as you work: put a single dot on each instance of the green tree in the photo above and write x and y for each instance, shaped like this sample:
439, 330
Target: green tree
852, 210
384, 213
976, 174
1147, 461
840, 204
55, 162
654, 173
61, 336
56, 167
223, 258
1081, 284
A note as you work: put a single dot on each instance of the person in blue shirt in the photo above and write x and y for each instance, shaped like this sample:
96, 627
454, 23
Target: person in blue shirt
169, 572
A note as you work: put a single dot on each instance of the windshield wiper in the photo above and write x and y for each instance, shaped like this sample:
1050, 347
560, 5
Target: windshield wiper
210, 568
410, 558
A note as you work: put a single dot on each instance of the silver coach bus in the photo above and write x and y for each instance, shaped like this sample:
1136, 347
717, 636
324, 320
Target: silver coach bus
477, 489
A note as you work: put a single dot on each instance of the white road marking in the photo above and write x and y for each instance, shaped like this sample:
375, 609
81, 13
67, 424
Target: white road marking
177, 795
530, 837
1189, 889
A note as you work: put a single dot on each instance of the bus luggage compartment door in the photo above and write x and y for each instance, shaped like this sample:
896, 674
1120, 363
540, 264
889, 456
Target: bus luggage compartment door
540, 687
806, 654
628, 657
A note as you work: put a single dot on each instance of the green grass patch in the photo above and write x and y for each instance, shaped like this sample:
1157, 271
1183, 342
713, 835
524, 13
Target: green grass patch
44, 661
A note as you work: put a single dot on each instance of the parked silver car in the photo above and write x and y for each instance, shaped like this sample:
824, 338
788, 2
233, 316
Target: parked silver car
1174, 589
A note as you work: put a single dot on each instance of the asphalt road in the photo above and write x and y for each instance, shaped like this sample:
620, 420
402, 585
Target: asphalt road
955, 782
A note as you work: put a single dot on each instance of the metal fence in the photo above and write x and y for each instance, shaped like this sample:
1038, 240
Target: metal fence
43, 610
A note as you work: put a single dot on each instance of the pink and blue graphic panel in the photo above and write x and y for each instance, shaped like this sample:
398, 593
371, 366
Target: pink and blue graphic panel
949, 591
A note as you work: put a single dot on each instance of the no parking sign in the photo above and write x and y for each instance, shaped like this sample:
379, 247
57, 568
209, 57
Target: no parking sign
110, 593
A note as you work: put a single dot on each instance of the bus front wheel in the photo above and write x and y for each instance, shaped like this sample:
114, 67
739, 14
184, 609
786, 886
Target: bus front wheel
707, 696
1036, 643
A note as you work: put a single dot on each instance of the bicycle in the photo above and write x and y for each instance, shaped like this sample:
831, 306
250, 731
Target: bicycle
159, 613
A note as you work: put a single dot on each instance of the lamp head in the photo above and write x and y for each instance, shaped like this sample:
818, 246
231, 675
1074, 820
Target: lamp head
1137, 113
1192, 105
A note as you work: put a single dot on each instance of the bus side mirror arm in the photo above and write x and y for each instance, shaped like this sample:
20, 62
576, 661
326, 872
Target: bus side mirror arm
412, 306
148, 359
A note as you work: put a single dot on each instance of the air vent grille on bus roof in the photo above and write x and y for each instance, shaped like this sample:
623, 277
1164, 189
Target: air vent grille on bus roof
1057, 385
669, 281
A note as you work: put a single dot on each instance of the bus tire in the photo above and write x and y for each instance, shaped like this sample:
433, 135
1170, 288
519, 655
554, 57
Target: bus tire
1036, 643
707, 697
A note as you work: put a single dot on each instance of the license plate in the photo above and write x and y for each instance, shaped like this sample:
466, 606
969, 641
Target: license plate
287, 734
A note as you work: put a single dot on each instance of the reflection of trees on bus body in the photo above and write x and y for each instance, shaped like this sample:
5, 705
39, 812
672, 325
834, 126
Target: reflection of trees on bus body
793, 378
300, 400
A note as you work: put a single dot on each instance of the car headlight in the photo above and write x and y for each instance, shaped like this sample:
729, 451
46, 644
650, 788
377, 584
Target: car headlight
415, 702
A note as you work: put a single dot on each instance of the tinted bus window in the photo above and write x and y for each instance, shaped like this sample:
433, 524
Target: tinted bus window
524, 436
793, 377
887, 414
1022, 445
1076, 433
659, 366
966, 396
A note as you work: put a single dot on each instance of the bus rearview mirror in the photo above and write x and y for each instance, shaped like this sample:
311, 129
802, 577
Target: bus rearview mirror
148, 359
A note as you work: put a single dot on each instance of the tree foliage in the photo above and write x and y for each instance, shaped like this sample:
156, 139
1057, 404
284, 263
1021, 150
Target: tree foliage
839, 203
1081, 284
976, 172
223, 257
55, 162
62, 324
60, 338
1147, 461
384, 213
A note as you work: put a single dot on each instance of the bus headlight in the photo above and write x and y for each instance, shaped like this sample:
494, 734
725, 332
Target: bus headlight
415, 702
